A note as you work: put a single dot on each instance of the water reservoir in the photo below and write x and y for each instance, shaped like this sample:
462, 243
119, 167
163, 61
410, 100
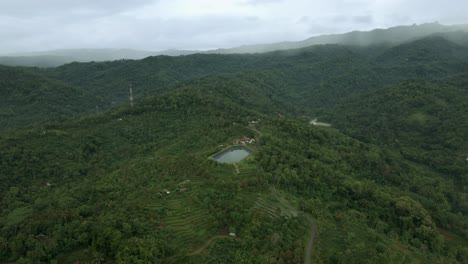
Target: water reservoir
232, 154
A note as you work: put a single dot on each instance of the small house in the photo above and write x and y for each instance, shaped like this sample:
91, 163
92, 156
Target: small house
244, 140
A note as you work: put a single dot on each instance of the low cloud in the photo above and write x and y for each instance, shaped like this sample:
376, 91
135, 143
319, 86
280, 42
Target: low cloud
58, 8
260, 2
28, 25
363, 19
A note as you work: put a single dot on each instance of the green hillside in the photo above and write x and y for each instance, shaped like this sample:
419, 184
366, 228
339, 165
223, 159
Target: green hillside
28, 98
427, 50
426, 121
385, 183
317, 76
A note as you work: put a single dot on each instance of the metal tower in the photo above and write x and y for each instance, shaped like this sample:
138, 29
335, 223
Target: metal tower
131, 96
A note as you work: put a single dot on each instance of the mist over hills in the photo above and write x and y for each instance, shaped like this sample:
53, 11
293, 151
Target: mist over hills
42, 61
54, 58
389, 36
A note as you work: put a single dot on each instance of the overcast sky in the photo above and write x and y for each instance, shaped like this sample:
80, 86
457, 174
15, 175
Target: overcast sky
31, 25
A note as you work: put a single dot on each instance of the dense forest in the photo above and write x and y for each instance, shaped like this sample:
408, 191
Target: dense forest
385, 183
28, 98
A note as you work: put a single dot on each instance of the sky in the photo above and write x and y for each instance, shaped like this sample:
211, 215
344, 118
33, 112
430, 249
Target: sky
35, 25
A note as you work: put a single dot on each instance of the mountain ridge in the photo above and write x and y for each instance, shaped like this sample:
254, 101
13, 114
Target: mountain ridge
305, 76
390, 36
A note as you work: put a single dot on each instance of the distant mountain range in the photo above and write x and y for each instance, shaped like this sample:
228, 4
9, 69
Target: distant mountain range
54, 58
390, 36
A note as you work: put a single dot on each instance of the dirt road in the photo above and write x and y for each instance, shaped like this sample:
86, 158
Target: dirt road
313, 229
310, 245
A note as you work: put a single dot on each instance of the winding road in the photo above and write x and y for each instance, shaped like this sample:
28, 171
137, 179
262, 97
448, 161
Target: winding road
313, 229
310, 245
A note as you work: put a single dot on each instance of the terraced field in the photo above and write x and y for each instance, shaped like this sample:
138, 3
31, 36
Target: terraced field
275, 207
191, 225
247, 170
268, 206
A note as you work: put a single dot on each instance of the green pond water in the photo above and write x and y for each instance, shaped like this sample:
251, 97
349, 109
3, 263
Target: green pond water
232, 154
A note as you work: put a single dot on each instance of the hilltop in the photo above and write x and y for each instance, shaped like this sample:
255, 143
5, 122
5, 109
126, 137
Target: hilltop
28, 98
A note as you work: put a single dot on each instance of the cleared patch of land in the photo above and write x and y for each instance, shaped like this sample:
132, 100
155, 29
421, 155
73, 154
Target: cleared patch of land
315, 122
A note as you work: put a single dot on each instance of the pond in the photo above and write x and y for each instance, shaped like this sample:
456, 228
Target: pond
232, 154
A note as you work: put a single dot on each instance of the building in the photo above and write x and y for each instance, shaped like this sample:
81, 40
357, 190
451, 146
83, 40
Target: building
244, 140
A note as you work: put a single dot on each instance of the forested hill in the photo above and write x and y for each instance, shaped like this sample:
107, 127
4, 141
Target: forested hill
313, 79
149, 76
432, 49
137, 185
426, 121
29, 97
386, 183
309, 66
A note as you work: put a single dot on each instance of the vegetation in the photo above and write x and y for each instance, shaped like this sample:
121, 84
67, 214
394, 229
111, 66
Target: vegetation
385, 184
29, 98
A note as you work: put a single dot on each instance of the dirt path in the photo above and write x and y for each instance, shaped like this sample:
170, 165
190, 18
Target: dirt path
260, 133
310, 245
207, 244
313, 229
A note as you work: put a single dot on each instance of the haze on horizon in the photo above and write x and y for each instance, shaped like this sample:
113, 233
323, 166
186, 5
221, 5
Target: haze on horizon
30, 25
